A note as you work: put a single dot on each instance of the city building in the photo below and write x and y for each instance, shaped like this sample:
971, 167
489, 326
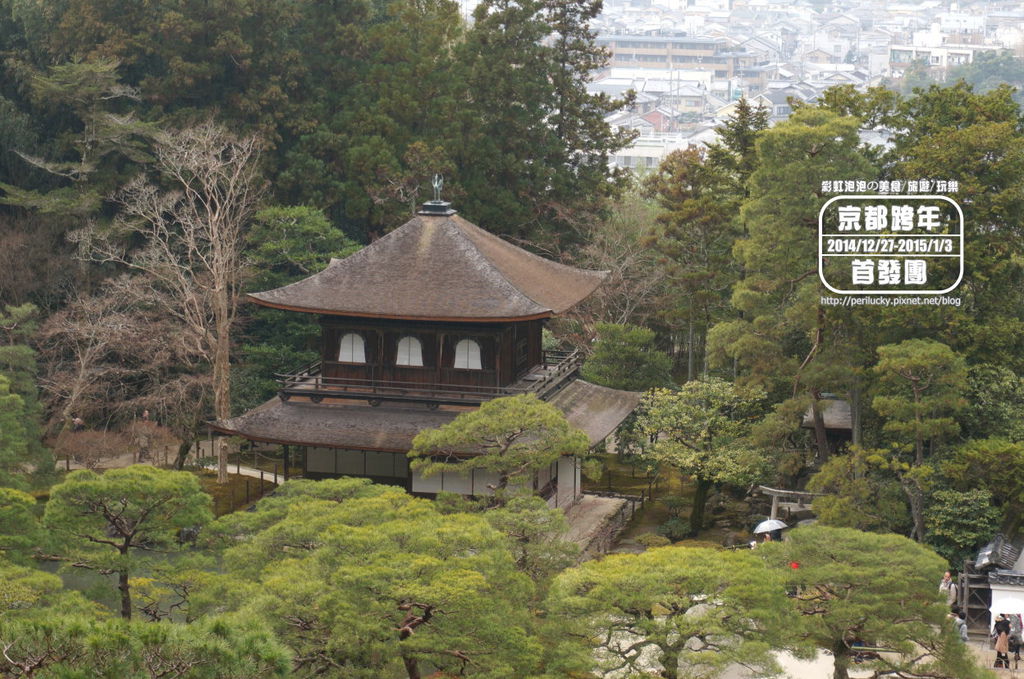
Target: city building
677, 51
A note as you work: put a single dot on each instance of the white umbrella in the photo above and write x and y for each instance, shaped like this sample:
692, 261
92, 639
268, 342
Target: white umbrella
768, 525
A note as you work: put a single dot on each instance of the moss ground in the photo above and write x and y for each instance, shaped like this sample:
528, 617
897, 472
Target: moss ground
238, 493
621, 477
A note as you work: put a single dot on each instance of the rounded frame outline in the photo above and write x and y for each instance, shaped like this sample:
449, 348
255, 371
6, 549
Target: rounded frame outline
821, 256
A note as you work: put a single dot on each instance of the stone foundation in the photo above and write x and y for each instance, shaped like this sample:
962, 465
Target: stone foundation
596, 521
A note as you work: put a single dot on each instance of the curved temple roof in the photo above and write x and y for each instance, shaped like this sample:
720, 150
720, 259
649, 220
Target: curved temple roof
596, 410
438, 268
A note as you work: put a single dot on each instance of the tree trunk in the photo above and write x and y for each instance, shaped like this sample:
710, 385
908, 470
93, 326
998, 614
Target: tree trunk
690, 358
222, 460
183, 450
126, 595
700, 496
222, 377
222, 368
412, 668
820, 433
856, 433
916, 498
841, 664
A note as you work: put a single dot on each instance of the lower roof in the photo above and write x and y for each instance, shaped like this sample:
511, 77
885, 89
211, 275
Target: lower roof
597, 411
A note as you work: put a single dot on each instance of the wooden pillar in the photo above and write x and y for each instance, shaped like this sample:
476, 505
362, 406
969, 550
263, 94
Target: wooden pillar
439, 338
285, 453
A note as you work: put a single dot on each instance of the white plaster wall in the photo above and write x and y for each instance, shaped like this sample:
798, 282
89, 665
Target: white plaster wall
431, 484
380, 464
350, 462
578, 478
454, 482
543, 476
320, 460
1007, 599
448, 481
566, 475
483, 480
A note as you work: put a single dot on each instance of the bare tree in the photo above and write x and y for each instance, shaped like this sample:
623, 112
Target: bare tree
92, 449
636, 280
191, 222
104, 355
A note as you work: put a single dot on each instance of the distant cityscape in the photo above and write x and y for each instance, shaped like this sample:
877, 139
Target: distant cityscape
689, 61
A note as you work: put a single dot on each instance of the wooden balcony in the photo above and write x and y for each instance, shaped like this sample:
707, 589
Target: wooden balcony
543, 380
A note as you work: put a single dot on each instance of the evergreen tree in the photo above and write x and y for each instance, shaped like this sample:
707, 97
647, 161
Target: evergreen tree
641, 614
991, 69
920, 384
367, 578
977, 141
702, 429
697, 228
284, 244
877, 589
700, 193
513, 437
625, 358
24, 450
535, 148
110, 523
784, 340
737, 145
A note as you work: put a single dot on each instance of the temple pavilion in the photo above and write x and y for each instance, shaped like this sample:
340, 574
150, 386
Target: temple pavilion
431, 320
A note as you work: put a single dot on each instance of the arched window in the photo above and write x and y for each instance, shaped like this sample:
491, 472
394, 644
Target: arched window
467, 355
410, 352
352, 349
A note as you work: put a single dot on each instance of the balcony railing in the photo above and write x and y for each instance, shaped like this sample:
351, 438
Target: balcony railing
542, 380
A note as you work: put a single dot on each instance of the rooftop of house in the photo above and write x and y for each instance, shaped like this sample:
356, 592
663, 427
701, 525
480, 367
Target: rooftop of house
438, 268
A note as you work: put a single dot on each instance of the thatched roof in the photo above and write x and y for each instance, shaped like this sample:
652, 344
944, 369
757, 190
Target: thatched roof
598, 411
391, 427
438, 268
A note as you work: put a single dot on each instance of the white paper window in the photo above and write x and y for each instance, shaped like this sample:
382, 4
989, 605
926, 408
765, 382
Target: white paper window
410, 352
353, 349
467, 355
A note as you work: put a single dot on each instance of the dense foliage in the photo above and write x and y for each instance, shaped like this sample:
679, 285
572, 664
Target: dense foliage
158, 160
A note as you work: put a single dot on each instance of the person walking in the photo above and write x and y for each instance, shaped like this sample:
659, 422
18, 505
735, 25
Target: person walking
949, 587
959, 624
1001, 631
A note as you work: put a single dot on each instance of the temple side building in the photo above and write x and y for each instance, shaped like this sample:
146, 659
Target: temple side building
431, 320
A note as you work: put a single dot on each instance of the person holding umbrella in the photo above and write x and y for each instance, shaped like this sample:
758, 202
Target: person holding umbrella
772, 530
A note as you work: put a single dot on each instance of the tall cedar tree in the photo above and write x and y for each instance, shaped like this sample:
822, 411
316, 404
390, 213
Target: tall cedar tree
977, 140
785, 341
625, 358
502, 105
700, 193
19, 370
536, 149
